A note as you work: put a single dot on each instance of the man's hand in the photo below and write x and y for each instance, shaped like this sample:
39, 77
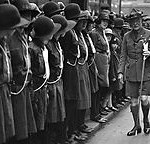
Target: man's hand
120, 78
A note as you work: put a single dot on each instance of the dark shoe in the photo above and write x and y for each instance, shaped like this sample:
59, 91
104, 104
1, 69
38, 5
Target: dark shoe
134, 131
103, 113
85, 129
146, 128
113, 109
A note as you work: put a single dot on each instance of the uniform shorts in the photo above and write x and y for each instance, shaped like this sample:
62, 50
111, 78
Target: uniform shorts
133, 88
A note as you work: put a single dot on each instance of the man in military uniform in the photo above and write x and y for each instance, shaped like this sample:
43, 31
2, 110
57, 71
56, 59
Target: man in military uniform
132, 60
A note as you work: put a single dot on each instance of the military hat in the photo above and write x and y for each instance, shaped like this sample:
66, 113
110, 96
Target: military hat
135, 13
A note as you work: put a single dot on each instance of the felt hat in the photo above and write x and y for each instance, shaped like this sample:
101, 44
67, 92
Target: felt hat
66, 25
10, 17
118, 22
51, 8
72, 11
22, 5
44, 26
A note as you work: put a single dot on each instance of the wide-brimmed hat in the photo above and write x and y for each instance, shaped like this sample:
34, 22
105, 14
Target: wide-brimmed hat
72, 11
135, 13
4, 2
10, 17
51, 8
44, 26
66, 25
22, 5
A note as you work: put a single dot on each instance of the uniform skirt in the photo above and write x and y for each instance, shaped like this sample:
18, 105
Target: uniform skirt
39, 103
84, 99
102, 64
56, 106
7, 129
23, 113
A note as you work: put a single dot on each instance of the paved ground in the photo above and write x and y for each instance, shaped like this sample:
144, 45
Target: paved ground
114, 132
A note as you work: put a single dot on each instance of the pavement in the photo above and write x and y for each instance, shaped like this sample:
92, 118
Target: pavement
99, 126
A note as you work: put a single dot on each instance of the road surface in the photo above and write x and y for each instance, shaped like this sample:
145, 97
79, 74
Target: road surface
115, 131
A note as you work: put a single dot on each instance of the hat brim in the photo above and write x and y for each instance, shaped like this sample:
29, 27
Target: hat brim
71, 25
56, 28
53, 13
23, 22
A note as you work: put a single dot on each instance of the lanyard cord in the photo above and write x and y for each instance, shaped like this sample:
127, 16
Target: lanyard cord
86, 49
61, 64
76, 37
28, 69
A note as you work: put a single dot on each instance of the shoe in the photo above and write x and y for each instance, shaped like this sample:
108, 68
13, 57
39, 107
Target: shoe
107, 109
122, 103
102, 120
85, 129
103, 112
134, 131
113, 108
125, 100
146, 128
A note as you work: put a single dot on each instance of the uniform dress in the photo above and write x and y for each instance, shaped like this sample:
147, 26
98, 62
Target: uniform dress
7, 129
39, 77
21, 102
70, 77
101, 57
56, 107
56, 114
132, 58
93, 76
84, 99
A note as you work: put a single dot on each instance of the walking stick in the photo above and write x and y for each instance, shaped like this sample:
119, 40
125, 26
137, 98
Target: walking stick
143, 68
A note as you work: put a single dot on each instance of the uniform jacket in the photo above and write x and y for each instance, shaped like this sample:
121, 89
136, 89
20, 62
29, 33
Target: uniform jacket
69, 45
37, 62
70, 76
131, 56
5, 77
18, 50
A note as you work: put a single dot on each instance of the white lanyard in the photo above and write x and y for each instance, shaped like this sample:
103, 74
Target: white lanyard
7, 62
47, 69
86, 50
91, 43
